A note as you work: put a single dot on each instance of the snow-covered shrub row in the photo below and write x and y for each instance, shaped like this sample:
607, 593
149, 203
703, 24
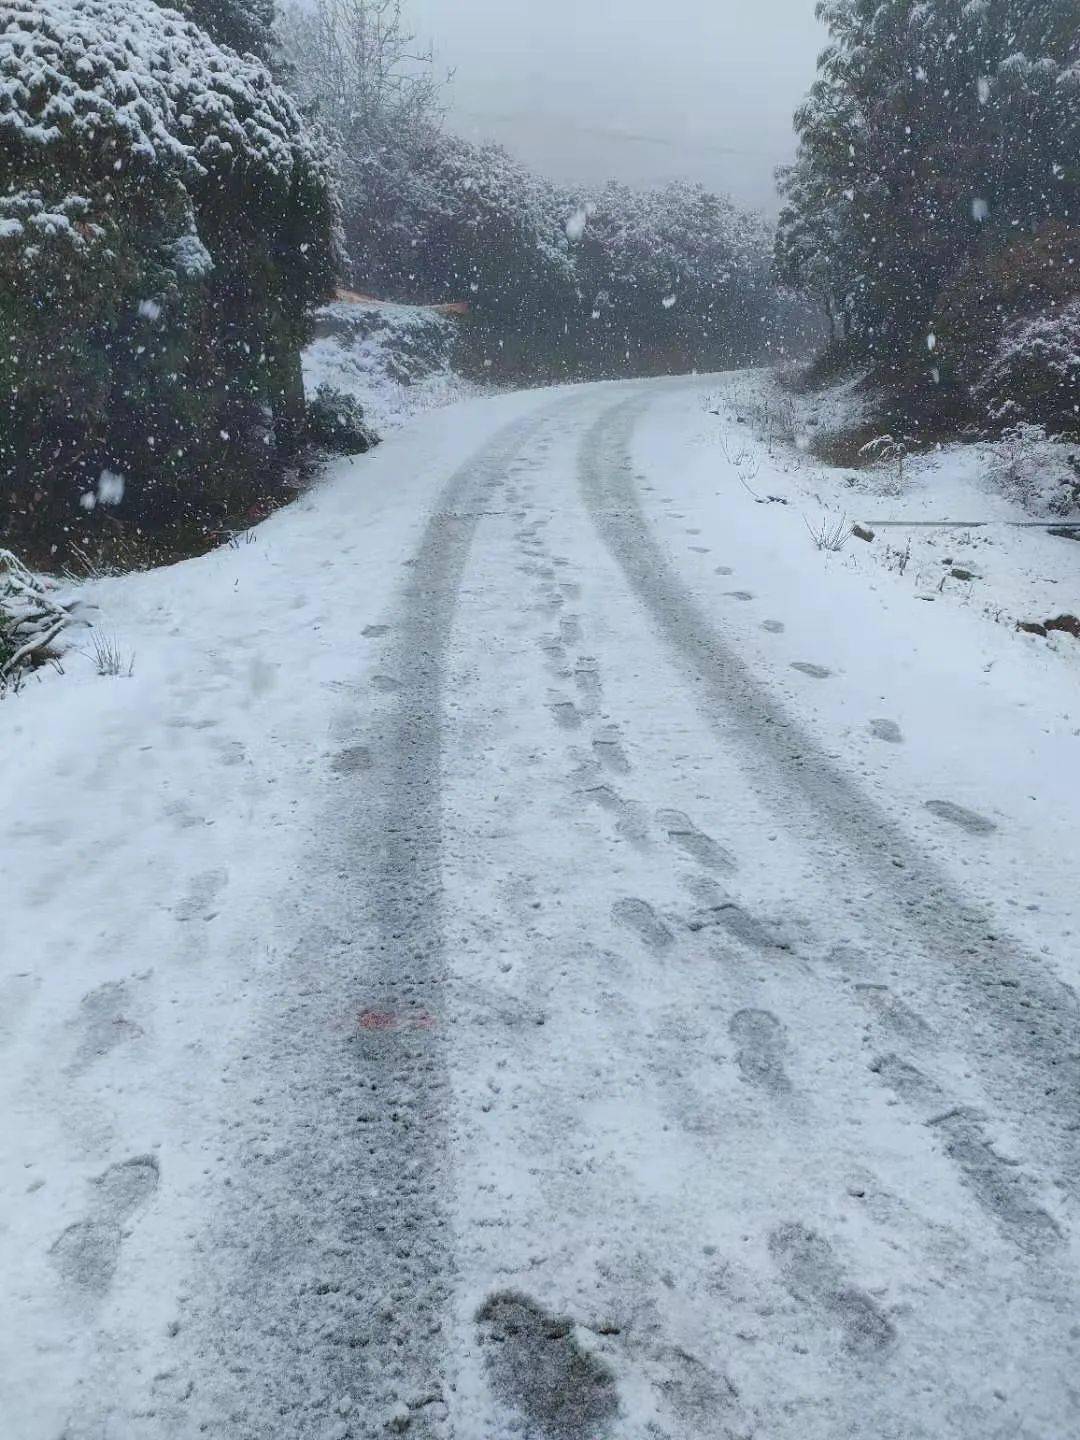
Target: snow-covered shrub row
617, 281
938, 152
167, 220
674, 279
608, 282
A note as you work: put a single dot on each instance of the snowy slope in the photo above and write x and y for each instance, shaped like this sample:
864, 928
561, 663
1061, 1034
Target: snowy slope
987, 510
396, 359
537, 948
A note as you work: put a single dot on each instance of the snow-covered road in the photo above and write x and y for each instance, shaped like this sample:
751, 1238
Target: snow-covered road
538, 949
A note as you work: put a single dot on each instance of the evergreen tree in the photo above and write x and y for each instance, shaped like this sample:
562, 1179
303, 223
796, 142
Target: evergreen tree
246, 26
167, 221
937, 132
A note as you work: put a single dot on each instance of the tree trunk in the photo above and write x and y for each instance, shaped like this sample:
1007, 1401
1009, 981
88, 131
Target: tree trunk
286, 395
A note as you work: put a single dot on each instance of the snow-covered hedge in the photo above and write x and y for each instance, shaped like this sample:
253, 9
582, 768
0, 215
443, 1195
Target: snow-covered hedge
167, 220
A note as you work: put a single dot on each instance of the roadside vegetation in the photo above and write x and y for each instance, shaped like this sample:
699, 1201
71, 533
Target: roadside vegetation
561, 284
933, 213
179, 194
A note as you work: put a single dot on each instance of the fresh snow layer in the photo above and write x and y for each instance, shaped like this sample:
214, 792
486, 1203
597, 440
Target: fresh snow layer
537, 948
397, 360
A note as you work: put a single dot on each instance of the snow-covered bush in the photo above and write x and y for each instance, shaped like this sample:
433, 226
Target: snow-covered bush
335, 420
31, 619
246, 26
167, 220
1034, 374
1038, 471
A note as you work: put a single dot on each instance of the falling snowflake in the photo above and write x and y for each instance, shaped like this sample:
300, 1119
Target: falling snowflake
110, 489
575, 226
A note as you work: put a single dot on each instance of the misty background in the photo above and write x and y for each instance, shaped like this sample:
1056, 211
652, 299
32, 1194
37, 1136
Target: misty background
631, 90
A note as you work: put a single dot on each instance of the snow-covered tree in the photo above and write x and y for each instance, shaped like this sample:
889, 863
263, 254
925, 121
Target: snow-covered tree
166, 222
356, 65
937, 130
675, 278
246, 26
640, 281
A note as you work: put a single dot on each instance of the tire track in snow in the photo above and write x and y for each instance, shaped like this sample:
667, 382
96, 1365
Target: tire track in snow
406, 1226
1013, 1019
332, 1265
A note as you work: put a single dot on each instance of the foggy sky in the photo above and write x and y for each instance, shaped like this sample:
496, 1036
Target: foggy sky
635, 90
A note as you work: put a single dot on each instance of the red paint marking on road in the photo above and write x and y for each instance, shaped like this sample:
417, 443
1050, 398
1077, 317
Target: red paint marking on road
377, 1020
387, 1020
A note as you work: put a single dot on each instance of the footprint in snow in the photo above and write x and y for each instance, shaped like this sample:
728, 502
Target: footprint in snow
724, 570
996, 1181
587, 677
814, 1276
630, 819
539, 1368
968, 820
555, 654
760, 1056
375, 632
103, 1022
682, 831
892, 1013
609, 751
737, 922
887, 730
87, 1253
640, 917
202, 894
385, 683
774, 627
567, 716
816, 672
739, 595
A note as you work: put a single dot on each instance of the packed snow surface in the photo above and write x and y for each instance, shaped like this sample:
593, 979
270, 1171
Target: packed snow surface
539, 948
